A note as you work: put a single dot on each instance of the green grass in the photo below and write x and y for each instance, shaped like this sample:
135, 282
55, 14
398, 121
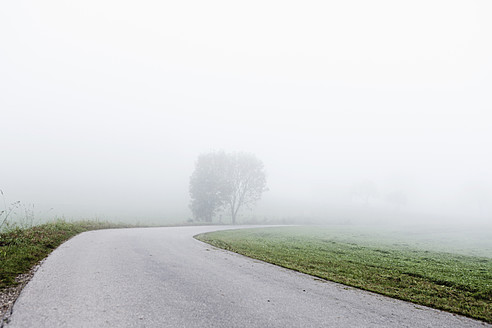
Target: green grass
22, 248
409, 270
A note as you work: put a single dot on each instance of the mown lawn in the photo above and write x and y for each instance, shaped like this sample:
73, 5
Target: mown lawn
453, 282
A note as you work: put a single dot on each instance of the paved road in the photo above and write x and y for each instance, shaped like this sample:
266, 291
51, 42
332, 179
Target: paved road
162, 277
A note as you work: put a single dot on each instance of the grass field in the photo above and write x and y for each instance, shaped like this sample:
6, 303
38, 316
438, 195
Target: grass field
436, 269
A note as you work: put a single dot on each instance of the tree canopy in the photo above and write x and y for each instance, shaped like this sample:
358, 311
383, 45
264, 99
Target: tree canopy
225, 182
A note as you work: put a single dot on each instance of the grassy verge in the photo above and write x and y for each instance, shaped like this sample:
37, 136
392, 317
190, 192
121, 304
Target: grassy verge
21, 249
453, 282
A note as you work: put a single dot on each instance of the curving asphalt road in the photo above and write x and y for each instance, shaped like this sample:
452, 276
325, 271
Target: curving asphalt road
162, 277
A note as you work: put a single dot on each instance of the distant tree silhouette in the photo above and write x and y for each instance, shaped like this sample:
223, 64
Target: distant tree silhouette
364, 190
225, 181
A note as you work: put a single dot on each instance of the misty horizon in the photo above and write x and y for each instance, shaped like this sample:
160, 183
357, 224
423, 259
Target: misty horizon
360, 112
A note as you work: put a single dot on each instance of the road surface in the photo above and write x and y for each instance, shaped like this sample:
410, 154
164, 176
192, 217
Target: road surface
162, 277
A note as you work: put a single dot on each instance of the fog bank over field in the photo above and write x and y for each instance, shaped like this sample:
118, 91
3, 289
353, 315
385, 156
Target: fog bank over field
361, 112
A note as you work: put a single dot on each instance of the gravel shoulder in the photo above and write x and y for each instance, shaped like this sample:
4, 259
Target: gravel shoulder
9, 295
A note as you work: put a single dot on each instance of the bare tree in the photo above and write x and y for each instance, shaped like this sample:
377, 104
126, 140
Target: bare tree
224, 181
247, 182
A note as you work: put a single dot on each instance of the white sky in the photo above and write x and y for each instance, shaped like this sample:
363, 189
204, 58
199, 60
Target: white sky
105, 105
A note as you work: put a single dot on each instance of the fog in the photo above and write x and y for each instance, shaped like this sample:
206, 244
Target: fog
360, 111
